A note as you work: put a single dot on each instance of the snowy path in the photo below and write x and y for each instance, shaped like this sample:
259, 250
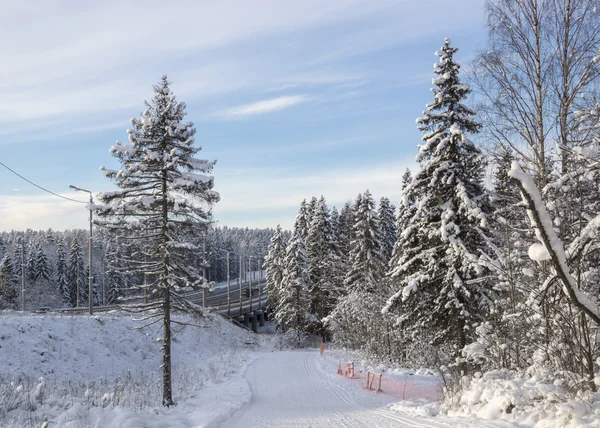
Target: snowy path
290, 389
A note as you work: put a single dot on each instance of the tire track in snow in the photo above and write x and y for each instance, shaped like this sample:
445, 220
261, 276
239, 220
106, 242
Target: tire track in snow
311, 373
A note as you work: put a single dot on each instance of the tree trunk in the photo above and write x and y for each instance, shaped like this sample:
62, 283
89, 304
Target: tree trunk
167, 388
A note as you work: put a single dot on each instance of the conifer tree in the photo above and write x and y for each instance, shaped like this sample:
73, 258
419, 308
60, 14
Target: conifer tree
387, 228
30, 272
2, 247
41, 270
442, 285
320, 271
274, 267
61, 276
8, 291
293, 308
345, 233
76, 275
20, 256
337, 266
366, 261
406, 239
164, 198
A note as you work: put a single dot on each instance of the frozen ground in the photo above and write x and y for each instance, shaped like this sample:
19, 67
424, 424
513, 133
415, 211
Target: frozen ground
302, 389
102, 371
80, 371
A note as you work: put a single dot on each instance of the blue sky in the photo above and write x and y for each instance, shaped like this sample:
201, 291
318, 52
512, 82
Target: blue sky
293, 99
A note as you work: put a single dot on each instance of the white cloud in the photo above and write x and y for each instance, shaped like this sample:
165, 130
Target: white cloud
276, 195
89, 58
40, 212
266, 106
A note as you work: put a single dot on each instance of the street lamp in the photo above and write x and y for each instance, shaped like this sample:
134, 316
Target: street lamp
90, 275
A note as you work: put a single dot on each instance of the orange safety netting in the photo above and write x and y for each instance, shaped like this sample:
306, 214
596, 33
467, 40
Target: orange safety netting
397, 388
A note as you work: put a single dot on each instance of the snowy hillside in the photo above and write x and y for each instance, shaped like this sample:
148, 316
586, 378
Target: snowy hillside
57, 366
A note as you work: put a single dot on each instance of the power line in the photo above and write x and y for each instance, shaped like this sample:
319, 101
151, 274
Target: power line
40, 187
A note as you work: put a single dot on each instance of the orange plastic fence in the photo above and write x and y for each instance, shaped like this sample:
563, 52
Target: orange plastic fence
374, 381
398, 388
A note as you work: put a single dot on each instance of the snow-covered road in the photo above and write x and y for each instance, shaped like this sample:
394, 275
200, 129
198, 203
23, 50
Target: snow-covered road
291, 389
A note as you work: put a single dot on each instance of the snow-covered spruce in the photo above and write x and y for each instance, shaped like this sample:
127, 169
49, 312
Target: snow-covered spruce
164, 196
293, 308
274, 268
441, 287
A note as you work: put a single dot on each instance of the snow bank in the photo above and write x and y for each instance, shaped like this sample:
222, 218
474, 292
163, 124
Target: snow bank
80, 370
527, 400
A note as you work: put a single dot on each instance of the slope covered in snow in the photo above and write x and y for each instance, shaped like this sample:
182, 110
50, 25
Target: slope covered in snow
58, 367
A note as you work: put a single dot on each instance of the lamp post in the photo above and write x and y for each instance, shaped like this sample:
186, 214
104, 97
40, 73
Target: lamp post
90, 275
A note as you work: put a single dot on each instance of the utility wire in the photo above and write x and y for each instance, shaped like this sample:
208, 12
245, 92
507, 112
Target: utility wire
40, 187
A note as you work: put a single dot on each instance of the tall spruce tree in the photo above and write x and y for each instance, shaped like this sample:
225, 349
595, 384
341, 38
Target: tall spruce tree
20, 256
8, 291
387, 228
293, 308
366, 260
274, 267
75, 274
61, 274
320, 271
441, 283
42, 271
30, 272
345, 233
164, 198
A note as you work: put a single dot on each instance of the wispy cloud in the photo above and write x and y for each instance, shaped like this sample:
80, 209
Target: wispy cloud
266, 106
277, 193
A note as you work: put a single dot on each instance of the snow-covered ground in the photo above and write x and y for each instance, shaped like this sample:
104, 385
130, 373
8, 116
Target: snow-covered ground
301, 389
100, 371
58, 367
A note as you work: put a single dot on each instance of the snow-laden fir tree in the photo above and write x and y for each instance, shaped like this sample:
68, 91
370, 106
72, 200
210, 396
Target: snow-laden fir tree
30, 266
164, 198
321, 259
76, 275
345, 233
357, 321
41, 270
2, 247
335, 262
405, 213
61, 273
310, 209
274, 267
20, 256
505, 334
303, 219
8, 291
366, 260
293, 308
441, 285
387, 228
